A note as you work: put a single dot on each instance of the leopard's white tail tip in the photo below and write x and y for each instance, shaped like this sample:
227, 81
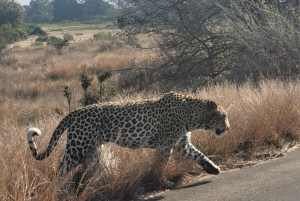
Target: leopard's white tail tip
33, 132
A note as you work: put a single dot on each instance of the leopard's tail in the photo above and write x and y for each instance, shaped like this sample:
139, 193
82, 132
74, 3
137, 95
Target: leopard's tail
32, 132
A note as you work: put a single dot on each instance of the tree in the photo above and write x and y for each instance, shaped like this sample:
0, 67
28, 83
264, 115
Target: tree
96, 7
38, 11
192, 47
11, 13
266, 42
66, 10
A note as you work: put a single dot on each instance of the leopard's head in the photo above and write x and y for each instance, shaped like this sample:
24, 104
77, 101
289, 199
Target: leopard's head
208, 115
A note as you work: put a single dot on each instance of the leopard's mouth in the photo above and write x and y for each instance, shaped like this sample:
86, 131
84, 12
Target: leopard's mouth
220, 131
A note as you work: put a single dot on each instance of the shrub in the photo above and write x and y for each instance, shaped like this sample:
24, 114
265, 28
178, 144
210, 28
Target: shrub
59, 43
9, 34
265, 40
98, 96
33, 29
86, 81
104, 93
12, 34
42, 38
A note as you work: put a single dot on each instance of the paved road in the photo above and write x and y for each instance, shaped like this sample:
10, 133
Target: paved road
276, 180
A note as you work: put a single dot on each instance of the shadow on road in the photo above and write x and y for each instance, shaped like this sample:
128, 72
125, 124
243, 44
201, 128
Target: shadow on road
155, 198
181, 187
194, 184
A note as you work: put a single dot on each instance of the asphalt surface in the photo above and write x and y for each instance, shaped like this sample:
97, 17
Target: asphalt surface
275, 180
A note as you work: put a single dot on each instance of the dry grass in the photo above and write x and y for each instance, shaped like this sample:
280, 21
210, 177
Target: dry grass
64, 70
264, 116
106, 61
260, 117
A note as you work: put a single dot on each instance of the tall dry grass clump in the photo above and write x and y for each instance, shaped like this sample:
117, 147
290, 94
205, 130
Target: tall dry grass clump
63, 70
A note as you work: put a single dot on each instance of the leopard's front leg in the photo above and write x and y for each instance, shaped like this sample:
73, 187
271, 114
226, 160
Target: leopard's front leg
187, 149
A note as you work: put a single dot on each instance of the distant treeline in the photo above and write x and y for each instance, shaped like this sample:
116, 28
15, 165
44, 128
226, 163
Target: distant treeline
39, 11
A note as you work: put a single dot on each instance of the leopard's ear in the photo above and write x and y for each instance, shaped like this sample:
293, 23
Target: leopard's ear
211, 105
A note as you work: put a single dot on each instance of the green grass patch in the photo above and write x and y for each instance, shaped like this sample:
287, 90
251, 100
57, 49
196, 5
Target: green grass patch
58, 29
60, 25
37, 43
74, 25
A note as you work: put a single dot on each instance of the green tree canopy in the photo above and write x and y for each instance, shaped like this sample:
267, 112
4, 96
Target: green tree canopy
96, 7
38, 11
66, 10
11, 13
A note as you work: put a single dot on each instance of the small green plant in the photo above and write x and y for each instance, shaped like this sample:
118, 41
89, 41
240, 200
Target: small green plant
59, 43
68, 94
101, 78
104, 94
88, 97
86, 81
99, 96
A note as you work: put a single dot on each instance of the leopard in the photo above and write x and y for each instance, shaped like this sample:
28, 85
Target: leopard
164, 123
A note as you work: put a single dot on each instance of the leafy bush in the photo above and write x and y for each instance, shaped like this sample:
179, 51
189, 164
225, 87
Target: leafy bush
104, 94
86, 81
59, 43
99, 96
10, 34
33, 29
42, 38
